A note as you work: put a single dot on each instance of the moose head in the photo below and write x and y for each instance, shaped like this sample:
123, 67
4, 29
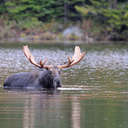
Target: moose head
48, 77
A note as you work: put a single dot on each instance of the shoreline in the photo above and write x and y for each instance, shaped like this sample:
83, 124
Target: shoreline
10, 41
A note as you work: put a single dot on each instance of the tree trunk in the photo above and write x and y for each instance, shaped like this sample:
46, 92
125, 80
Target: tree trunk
65, 12
112, 4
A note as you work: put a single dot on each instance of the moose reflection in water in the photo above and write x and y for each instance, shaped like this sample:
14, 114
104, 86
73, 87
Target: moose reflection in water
47, 77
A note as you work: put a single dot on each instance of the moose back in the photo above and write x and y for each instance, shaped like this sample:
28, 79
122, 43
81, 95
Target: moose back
48, 76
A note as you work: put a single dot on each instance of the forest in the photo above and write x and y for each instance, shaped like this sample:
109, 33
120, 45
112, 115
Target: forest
98, 19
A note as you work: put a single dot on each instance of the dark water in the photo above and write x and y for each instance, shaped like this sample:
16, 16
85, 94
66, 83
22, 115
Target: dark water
103, 102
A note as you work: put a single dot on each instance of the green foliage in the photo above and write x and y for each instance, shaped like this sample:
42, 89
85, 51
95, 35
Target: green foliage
84, 11
44, 10
115, 19
2, 7
41, 9
29, 23
113, 14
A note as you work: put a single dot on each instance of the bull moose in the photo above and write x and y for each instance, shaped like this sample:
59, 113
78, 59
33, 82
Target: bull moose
47, 77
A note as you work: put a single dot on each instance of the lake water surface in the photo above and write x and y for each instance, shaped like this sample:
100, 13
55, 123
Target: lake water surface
103, 76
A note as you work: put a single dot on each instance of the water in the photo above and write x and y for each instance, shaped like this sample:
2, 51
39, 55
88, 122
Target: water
102, 75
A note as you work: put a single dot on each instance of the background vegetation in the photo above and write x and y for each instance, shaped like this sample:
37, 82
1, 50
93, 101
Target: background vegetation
101, 19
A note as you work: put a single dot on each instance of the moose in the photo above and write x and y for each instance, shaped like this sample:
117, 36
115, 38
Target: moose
48, 77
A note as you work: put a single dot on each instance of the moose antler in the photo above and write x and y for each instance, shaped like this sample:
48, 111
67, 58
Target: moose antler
30, 57
77, 57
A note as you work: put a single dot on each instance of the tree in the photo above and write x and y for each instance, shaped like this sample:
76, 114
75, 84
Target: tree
115, 19
113, 3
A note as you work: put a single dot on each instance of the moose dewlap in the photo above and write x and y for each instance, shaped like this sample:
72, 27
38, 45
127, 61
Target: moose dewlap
47, 77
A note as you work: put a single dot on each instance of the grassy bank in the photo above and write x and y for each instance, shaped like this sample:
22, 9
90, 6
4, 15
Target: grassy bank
31, 30
35, 31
